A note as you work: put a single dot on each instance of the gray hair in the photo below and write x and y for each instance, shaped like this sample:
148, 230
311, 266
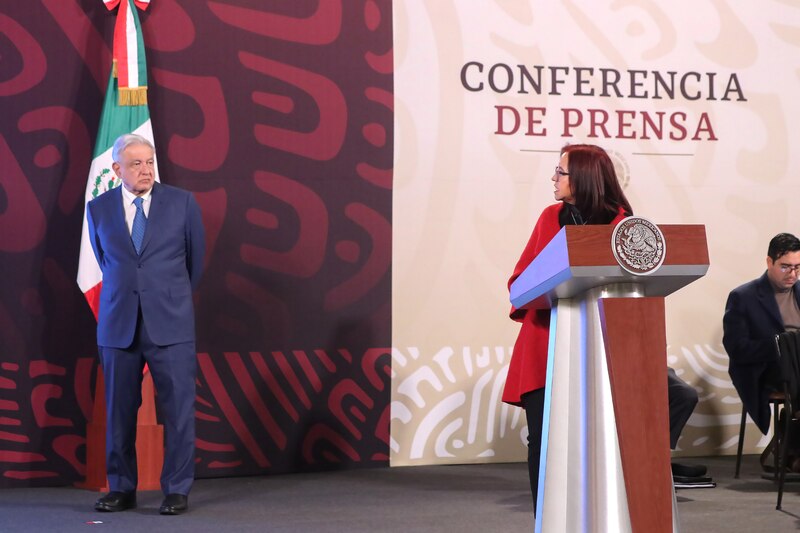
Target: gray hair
123, 141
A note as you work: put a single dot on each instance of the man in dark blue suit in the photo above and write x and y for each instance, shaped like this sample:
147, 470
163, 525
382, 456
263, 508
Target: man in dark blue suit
149, 242
754, 314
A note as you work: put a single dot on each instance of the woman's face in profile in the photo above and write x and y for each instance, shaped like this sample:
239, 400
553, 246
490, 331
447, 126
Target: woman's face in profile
562, 192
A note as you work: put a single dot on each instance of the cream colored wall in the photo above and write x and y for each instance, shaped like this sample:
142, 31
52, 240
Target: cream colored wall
465, 199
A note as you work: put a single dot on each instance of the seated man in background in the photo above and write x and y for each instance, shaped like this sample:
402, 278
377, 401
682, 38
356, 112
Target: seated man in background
754, 314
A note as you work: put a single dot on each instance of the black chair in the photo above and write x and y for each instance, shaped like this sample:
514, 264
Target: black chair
788, 347
777, 400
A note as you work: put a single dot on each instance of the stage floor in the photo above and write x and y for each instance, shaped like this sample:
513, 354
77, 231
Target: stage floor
462, 498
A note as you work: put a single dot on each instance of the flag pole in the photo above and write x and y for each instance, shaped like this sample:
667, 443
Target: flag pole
125, 110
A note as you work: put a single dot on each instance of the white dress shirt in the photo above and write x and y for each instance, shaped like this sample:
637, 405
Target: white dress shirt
130, 209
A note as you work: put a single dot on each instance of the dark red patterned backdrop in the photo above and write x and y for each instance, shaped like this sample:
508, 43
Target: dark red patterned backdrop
278, 115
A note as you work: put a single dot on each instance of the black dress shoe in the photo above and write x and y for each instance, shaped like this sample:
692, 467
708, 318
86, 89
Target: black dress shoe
174, 504
682, 470
116, 501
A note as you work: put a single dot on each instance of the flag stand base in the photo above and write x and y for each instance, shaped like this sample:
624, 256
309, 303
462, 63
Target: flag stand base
149, 440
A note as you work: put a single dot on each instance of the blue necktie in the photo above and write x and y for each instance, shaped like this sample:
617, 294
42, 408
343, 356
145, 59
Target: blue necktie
139, 224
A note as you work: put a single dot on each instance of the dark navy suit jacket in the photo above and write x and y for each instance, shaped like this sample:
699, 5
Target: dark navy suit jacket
161, 279
751, 321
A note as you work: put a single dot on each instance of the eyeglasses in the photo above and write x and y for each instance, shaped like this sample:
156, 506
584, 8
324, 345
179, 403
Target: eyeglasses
561, 172
785, 269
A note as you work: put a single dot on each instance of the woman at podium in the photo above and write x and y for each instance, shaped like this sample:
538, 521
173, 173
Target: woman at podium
587, 191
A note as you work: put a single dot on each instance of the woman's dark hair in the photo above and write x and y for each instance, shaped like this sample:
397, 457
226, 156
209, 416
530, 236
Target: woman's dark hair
594, 184
781, 244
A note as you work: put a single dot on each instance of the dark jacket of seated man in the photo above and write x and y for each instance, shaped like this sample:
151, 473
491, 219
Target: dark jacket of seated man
754, 314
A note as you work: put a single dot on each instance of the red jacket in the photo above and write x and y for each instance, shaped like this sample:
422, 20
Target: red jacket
528, 366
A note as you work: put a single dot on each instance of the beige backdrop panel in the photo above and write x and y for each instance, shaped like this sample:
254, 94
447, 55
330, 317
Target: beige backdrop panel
466, 198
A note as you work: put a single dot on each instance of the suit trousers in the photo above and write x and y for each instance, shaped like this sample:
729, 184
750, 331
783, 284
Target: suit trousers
174, 371
682, 401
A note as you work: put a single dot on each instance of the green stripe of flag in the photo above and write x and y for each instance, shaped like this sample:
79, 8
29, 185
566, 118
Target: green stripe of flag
117, 120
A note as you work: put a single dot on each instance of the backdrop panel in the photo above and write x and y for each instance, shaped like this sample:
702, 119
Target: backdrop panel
695, 102
279, 117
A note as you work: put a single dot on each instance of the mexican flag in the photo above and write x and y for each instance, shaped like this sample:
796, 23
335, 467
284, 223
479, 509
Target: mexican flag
124, 111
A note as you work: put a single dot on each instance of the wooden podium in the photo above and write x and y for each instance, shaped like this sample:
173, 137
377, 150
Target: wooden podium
605, 459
